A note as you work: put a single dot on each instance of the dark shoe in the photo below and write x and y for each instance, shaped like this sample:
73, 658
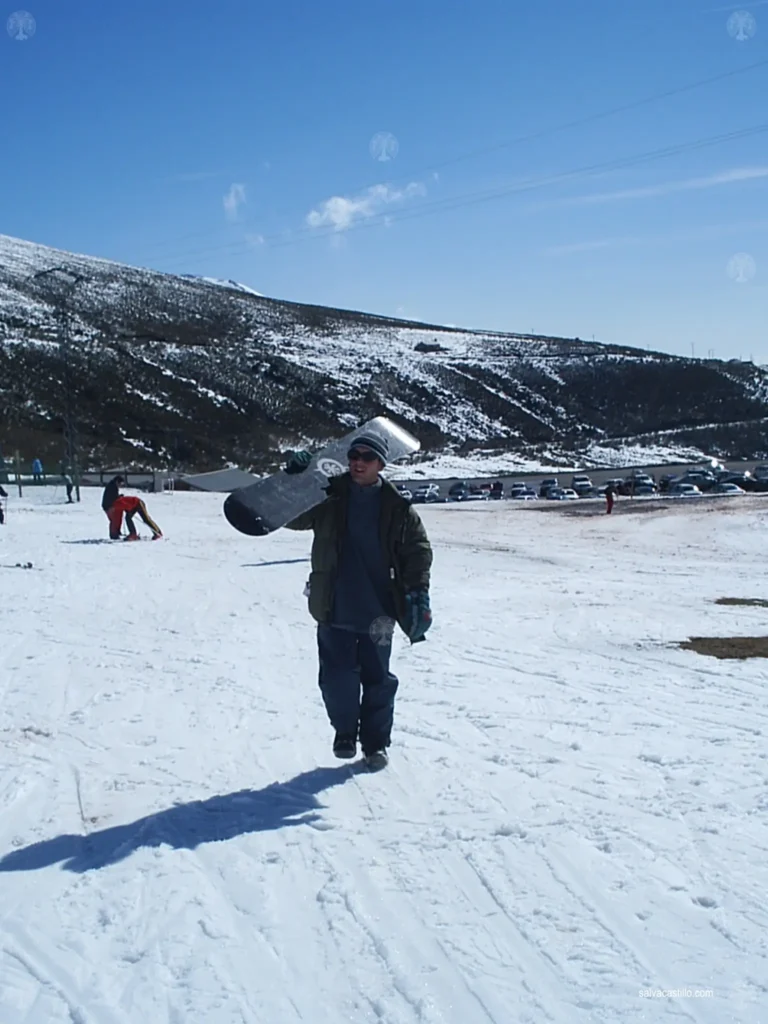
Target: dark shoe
376, 760
345, 746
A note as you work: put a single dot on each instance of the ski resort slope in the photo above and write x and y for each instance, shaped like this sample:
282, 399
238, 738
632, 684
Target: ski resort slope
574, 812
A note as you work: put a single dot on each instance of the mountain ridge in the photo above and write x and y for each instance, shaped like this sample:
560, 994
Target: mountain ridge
179, 370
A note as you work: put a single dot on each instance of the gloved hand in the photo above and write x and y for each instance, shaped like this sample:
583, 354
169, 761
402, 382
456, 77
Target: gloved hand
418, 616
298, 462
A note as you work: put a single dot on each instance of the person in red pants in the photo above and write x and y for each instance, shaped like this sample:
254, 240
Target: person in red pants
130, 506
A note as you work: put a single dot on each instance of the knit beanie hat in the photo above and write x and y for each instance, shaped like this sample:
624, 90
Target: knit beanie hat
376, 442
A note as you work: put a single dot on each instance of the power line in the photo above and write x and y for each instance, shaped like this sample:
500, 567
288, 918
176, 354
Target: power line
543, 133
482, 196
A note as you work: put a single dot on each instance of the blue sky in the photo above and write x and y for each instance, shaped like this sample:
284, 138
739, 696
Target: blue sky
337, 152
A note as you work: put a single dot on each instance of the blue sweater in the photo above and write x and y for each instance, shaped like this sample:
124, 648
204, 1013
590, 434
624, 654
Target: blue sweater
362, 592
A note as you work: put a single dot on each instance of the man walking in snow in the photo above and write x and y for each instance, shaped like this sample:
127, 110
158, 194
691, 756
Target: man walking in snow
371, 562
610, 495
69, 485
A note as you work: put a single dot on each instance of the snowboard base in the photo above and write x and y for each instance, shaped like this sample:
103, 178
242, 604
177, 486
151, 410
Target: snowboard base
269, 504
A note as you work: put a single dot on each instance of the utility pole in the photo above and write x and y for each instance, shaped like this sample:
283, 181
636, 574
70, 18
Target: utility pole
66, 282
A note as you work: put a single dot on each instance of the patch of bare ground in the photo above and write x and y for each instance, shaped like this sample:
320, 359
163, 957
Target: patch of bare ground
738, 647
752, 602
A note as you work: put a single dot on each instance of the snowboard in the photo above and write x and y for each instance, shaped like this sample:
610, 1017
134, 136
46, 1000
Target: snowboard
268, 504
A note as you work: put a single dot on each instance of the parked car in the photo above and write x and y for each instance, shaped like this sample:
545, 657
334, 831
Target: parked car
426, 493
713, 466
629, 485
684, 490
404, 492
464, 491
497, 489
644, 478
547, 485
562, 494
644, 490
742, 479
699, 478
522, 493
582, 485
726, 488
458, 490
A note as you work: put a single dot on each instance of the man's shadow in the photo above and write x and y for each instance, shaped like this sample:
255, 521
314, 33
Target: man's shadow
282, 561
187, 826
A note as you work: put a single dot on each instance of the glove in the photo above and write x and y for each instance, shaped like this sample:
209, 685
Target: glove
298, 462
418, 617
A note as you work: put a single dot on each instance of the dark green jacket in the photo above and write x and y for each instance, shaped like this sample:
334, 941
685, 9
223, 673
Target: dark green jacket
403, 539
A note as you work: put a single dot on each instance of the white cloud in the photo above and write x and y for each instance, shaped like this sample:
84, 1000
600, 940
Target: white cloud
708, 231
341, 212
233, 200
666, 188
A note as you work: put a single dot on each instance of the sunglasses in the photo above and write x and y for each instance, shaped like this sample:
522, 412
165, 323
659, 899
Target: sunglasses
367, 456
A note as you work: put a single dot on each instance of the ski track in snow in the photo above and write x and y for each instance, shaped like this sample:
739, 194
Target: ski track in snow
575, 810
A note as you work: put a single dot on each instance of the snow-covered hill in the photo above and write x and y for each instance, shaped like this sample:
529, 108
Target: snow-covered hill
572, 823
235, 286
182, 370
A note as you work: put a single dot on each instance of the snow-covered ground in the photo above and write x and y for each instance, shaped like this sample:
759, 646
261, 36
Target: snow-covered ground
574, 813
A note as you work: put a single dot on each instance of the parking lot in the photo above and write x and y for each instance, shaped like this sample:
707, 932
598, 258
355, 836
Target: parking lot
732, 479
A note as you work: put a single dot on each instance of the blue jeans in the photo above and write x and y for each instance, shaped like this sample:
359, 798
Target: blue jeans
350, 662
